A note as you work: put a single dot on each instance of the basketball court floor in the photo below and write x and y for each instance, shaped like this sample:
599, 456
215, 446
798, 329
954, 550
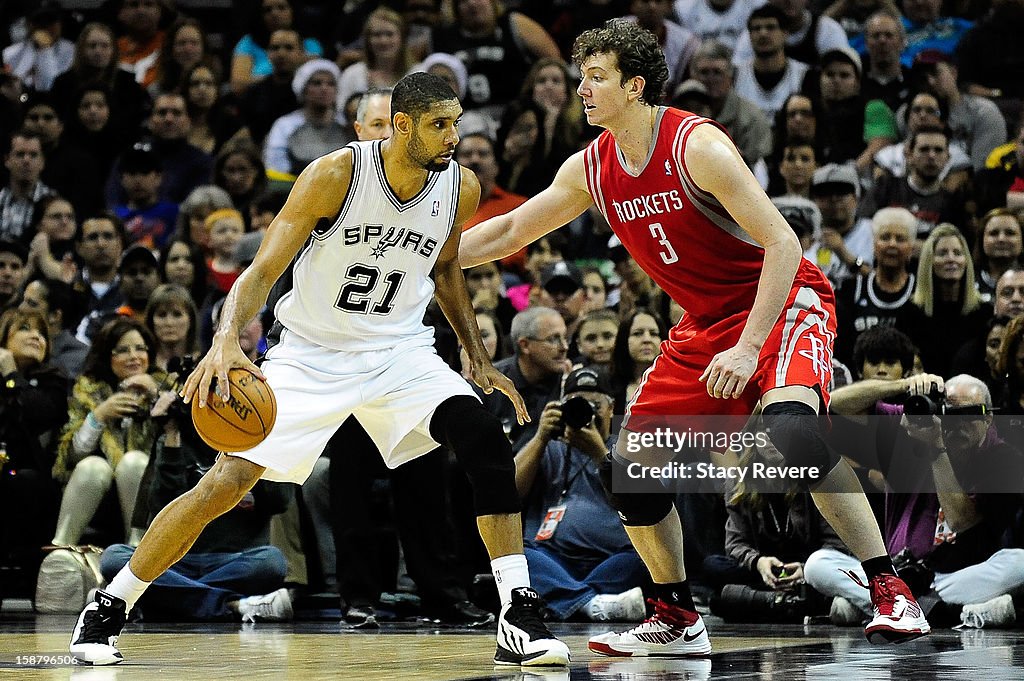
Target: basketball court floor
310, 651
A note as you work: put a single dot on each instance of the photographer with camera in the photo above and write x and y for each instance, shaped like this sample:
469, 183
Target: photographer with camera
581, 560
951, 524
231, 572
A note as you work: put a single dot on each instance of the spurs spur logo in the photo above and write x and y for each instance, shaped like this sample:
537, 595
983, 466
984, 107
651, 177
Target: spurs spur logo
390, 239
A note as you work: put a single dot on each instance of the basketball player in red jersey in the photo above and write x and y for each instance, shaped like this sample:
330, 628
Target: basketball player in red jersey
758, 328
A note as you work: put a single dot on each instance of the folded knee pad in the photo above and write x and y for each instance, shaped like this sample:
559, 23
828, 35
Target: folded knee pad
478, 441
635, 509
795, 430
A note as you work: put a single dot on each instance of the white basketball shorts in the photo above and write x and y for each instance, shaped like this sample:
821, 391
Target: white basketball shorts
393, 393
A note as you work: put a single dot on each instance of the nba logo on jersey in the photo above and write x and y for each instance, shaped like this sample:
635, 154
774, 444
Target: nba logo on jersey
668, 168
435, 209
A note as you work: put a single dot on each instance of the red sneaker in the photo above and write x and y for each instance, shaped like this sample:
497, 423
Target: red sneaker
897, 615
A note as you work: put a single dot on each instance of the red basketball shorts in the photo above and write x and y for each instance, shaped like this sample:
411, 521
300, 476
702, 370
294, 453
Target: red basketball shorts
798, 351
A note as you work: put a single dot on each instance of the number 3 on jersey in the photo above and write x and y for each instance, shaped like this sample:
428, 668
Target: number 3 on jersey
359, 288
668, 256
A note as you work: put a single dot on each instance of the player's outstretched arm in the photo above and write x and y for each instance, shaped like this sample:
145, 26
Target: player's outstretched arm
716, 167
503, 235
317, 194
453, 298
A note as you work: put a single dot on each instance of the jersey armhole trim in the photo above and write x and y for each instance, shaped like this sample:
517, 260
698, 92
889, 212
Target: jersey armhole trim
348, 199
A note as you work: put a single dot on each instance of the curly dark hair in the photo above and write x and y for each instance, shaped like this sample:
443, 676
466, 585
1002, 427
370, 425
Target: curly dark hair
97, 362
636, 51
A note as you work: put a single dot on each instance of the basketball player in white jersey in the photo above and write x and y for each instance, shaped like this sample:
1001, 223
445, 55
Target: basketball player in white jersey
363, 228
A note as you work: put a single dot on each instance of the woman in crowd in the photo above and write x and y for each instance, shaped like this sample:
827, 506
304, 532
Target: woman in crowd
214, 121
387, 57
109, 433
95, 63
519, 137
637, 345
595, 288
494, 339
249, 60
184, 263
946, 310
998, 250
33, 407
52, 250
172, 319
92, 125
238, 170
185, 47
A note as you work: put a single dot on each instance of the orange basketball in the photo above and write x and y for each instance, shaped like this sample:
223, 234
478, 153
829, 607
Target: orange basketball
243, 421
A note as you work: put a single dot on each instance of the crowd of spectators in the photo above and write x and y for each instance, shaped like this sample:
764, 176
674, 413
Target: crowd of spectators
147, 147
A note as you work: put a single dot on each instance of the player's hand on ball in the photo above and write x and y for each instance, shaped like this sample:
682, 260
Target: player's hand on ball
727, 375
222, 357
489, 379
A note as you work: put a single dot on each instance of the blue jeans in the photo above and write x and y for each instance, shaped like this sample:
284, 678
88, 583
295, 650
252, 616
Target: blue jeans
200, 585
569, 585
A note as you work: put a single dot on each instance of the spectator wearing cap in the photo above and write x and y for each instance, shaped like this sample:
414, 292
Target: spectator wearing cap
139, 273
768, 63
846, 246
99, 244
272, 97
927, 29
561, 284
476, 152
13, 270
803, 217
315, 129
854, 128
991, 57
875, 298
975, 122
922, 190
43, 54
24, 163
70, 170
808, 35
541, 348
581, 560
185, 167
748, 126
148, 219
885, 76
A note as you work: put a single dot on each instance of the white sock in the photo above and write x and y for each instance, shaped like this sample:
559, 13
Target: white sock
510, 572
127, 587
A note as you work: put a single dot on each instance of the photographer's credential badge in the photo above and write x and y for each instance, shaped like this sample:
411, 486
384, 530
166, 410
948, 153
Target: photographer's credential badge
551, 520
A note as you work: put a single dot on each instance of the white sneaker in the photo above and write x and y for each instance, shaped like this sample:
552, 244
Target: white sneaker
272, 607
843, 613
94, 640
523, 638
998, 612
627, 606
671, 631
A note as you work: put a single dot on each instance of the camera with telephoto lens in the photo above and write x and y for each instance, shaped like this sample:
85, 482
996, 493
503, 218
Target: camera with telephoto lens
577, 412
179, 411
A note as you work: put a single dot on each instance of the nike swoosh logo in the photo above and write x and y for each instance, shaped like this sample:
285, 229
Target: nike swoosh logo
688, 638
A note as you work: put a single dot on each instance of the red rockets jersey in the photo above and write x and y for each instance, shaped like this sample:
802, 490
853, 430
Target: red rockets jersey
678, 233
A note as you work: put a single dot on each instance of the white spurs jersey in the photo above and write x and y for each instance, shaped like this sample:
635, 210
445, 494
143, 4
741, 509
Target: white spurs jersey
362, 282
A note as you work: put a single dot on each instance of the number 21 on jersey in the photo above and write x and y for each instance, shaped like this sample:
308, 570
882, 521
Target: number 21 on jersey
668, 254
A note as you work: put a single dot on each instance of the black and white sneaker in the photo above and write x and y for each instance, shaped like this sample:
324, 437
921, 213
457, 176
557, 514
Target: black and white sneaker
94, 641
523, 639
